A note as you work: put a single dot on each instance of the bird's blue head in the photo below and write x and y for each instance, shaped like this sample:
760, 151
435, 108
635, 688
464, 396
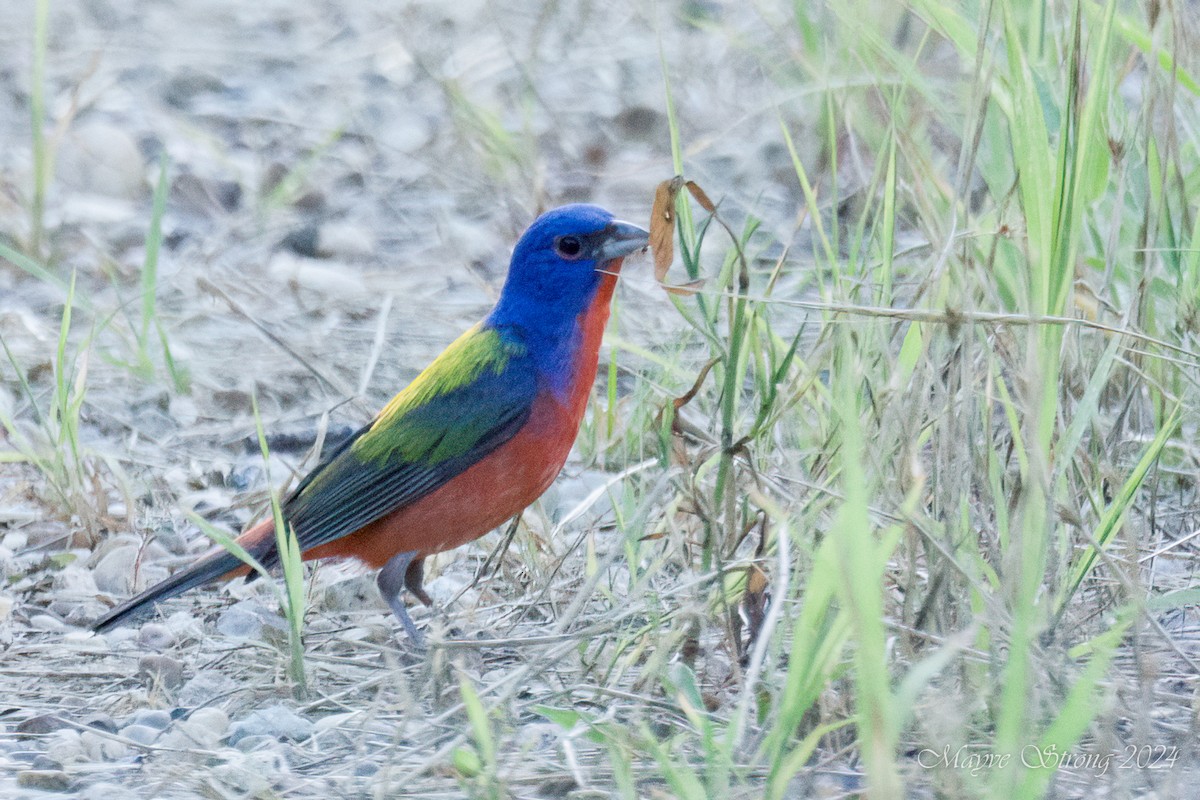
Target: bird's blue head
558, 265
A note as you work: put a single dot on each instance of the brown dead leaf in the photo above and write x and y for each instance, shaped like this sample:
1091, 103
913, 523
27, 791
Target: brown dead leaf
754, 608
683, 289
758, 580
662, 225
701, 197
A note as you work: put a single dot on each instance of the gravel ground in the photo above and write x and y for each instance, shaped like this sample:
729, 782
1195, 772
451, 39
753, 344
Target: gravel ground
345, 182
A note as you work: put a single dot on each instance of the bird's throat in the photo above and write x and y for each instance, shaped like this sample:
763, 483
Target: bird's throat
580, 375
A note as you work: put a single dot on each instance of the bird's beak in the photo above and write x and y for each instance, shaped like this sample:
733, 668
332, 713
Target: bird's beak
620, 239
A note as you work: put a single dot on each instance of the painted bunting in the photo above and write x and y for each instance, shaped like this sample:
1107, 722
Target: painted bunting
472, 441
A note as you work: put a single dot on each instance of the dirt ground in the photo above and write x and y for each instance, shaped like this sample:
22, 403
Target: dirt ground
345, 182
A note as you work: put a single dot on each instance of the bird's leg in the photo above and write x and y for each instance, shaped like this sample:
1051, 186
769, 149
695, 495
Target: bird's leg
413, 578
391, 581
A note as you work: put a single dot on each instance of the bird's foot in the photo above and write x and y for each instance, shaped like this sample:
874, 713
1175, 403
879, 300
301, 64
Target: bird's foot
414, 635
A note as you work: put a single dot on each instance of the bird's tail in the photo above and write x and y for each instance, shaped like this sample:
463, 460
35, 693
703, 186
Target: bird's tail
216, 564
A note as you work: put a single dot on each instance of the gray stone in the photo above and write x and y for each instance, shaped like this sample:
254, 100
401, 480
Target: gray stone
204, 729
66, 745
241, 621
189, 84
98, 747
248, 744
43, 761
156, 636
150, 717
46, 780
45, 622
100, 721
161, 669
213, 720
116, 571
41, 724
249, 619
205, 687
278, 722
142, 734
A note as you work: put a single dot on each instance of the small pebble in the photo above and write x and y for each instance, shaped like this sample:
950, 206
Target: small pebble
15, 540
99, 721
234, 400
45, 622
47, 780
352, 594
80, 615
156, 636
98, 747
44, 762
228, 194
42, 723
248, 744
172, 540
240, 621
203, 730
303, 241
142, 734
561, 786
161, 669
43, 533
188, 84
394, 62
272, 177
276, 721
205, 687
213, 720
150, 717
195, 195
114, 573
66, 745
312, 201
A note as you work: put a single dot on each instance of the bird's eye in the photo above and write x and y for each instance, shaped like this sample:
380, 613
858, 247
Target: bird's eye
568, 246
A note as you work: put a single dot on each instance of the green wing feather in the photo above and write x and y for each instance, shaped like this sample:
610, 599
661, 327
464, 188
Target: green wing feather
474, 397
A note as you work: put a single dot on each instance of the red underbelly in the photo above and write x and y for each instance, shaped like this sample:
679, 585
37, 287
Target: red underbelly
475, 502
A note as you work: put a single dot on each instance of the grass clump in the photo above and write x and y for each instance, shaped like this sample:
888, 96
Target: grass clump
969, 446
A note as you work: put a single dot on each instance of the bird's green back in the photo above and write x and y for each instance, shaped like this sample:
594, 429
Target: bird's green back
474, 397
